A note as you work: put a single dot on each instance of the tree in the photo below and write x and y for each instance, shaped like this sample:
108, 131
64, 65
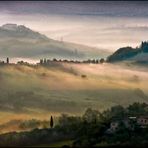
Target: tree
7, 60
144, 46
51, 122
91, 115
137, 109
41, 61
44, 61
102, 61
55, 60
118, 112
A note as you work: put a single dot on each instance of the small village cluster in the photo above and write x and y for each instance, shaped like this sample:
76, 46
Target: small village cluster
141, 121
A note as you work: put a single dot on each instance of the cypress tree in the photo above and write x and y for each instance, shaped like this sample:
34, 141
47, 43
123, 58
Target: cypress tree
51, 121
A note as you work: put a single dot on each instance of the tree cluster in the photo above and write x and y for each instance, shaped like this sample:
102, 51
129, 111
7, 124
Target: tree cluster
86, 130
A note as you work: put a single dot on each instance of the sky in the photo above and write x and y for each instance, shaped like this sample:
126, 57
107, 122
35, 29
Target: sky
106, 25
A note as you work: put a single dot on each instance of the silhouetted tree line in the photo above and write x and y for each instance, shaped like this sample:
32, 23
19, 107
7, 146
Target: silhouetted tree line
125, 53
3, 62
87, 130
54, 61
48, 61
144, 46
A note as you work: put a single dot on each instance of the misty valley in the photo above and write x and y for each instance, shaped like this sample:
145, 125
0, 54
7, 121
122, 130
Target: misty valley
31, 93
36, 91
73, 74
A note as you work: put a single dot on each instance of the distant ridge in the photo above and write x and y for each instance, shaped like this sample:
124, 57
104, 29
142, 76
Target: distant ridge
20, 41
19, 31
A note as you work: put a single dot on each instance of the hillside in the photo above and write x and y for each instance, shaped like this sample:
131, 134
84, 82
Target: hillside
9, 31
19, 41
28, 92
137, 55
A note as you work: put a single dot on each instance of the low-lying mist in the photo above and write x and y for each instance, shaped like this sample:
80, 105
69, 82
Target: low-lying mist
28, 92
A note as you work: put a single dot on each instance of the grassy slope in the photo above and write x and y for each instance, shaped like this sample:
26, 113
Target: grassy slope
37, 92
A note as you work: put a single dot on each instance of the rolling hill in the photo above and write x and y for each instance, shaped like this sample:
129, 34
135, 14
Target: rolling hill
137, 55
28, 92
18, 41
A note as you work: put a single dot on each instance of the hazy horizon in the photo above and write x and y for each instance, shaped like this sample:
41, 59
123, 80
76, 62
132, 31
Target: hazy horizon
106, 25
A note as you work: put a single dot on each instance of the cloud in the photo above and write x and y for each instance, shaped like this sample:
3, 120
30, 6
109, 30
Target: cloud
99, 24
77, 8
